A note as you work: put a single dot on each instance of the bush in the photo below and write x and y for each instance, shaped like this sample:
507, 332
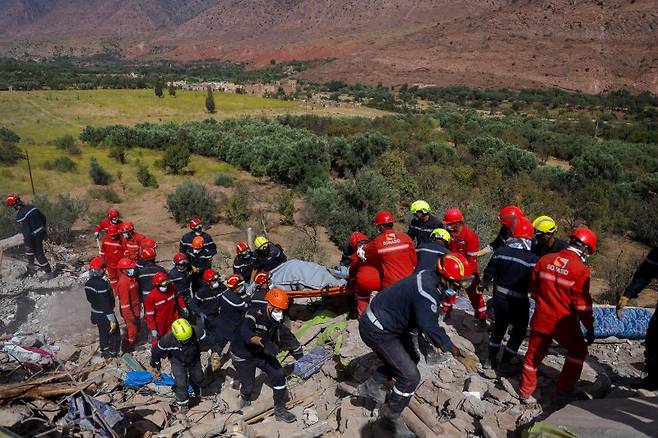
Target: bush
118, 153
8, 224
10, 153
146, 178
61, 215
223, 180
8, 135
236, 208
108, 195
305, 245
618, 274
176, 158
65, 142
61, 164
287, 207
98, 174
191, 199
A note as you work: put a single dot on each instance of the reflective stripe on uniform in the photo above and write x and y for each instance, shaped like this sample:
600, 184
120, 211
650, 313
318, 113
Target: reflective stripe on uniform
432, 251
373, 319
278, 388
551, 276
419, 284
402, 394
515, 260
26, 215
393, 248
510, 293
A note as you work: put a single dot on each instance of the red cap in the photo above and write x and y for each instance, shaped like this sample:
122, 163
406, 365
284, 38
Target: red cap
508, 214
453, 266
148, 243
113, 214
261, 277
234, 281
125, 263
586, 236
179, 257
522, 228
147, 253
126, 227
357, 237
12, 200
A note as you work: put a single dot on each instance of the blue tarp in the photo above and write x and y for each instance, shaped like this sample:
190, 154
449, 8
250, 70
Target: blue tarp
137, 379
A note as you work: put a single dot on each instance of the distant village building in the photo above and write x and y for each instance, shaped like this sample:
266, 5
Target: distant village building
288, 87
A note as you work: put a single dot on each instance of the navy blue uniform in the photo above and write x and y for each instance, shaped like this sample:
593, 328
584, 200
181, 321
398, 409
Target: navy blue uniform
244, 266
182, 281
410, 304
145, 275
221, 311
101, 298
33, 228
428, 254
420, 230
541, 250
209, 245
270, 260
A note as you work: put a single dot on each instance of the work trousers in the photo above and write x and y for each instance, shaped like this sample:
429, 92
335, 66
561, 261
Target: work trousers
34, 250
509, 311
184, 376
399, 357
477, 299
651, 346
569, 336
132, 325
109, 342
113, 276
246, 369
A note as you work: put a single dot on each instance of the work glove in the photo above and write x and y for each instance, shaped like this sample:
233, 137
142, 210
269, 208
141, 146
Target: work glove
195, 269
589, 337
270, 349
361, 253
484, 251
469, 360
482, 287
623, 302
113, 326
97, 234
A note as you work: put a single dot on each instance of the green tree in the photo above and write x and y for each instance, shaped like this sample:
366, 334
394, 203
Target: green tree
159, 85
145, 177
177, 156
210, 101
191, 199
10, 153
172, 89
98, 174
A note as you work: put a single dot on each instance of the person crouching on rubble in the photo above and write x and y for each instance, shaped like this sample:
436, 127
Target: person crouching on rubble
386, 326
181, 347
253, 347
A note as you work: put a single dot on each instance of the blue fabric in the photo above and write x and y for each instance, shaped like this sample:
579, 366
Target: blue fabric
312, 362
80, 413
137, 379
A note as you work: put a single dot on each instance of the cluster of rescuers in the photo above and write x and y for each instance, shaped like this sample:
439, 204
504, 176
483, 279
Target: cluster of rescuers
415, 278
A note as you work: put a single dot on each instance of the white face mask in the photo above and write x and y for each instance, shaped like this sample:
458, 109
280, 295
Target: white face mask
114, 220
163, 288
126, 235
277, 315
215, 284
130, 272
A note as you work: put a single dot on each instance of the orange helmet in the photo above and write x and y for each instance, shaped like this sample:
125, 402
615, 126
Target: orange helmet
197, 242
453, 266
234, 281
278, 298
147, 253
12, 200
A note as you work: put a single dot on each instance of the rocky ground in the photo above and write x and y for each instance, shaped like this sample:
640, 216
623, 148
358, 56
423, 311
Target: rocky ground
53, 315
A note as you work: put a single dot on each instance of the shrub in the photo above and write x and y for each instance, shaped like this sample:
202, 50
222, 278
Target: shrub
65, 142
236, 208
287, 207
118, 153
305, 245
8, 135
176, 158
96, 216
61, 164
10, 153
108, 195
8, 224
191, 199
98, 174
145, 177
223, 180
61, 214
618, 274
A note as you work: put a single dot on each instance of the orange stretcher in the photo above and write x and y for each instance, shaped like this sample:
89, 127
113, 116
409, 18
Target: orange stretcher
320, 293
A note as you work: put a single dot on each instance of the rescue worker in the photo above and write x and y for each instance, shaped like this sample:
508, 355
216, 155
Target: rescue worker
180, 276
243, 263
392, 252
113, 218
560, 286
147, 271
200, 260
145, 243
130, 300
131, 240
112, 251
409, 305
268, 255
162, 306
260, 289
545, 241
182, 347
429, 252
423, 222
253, 347
509, 270
465, 242
196, 229
101, 299
363, 276
33, 228
506, 216
646, 272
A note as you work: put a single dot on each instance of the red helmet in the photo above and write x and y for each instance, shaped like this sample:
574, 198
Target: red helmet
126, 227
586, 236
241, 247
522, 228
147, 253
234, 281
97, 263
179, 257
383, 218
210, 275
261, 277
112, 214
194, 222
357, 237
507, 215
125, 263
148, 243
452, 216
453, 266
159, 278
12, 200
113, 230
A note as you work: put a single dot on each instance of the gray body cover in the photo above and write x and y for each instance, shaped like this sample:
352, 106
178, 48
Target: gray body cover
298, 274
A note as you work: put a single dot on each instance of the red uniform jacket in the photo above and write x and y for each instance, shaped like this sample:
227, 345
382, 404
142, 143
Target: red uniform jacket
161, 308
393, 253
104, 225
467, 244
112, 250
560, 286
131, 246
129, 296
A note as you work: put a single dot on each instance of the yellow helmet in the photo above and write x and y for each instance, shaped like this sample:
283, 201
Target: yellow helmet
440, 233
420, 205
259, 241
544, 224
182, 329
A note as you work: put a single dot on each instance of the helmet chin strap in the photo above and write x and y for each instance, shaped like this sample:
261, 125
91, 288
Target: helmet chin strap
582, 254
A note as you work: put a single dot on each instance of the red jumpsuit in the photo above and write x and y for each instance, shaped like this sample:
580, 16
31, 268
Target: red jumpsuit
560, 287
132, 245
104, 225
467, 244
112, 251
161, 309
394, 255
129, 305
365, 280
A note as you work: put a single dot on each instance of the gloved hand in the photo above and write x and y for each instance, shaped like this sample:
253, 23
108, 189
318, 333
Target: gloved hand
270, 349
589, 337
623, 302
154, 334
484, 251
482, 287
97, 234
195, 269
361, 253
113, 326
185, 313
469, 360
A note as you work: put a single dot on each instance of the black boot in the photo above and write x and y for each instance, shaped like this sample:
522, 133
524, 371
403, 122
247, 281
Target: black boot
390, 424
492, 362
509, 366
650, 383
372, 389
283, 414
244, 402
